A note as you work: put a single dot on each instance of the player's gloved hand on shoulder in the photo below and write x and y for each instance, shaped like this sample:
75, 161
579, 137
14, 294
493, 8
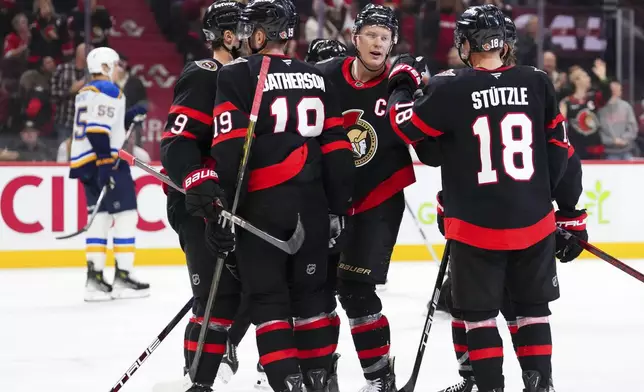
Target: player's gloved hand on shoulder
574, 222
220, 237
407, 71
338, 232
440, 213
204, 196
105, 171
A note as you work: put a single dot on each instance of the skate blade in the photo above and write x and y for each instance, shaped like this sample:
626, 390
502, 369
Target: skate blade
97, 296
127, 293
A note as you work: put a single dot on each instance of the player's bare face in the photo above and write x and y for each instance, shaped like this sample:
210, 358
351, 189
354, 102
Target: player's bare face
374, 44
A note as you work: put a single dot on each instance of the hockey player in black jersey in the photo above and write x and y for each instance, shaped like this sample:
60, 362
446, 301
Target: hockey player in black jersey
185, 155
505, 151
300, 165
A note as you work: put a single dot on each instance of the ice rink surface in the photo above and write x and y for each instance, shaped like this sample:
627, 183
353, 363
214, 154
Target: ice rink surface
50, 340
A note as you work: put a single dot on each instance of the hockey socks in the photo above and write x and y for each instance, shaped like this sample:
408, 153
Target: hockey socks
213, 350
277, 352
316, 342
534, 346
459, 337
371, 337
486, 353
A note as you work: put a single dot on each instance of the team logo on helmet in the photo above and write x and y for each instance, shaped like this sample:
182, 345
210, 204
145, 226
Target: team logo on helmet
363, 138
208, 65
586, 122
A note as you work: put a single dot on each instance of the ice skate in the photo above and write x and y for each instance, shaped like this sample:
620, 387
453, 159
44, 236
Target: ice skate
466, 385
386, 383
229, 364
96, 289
333, 376
262, 381
199, 388
318, 381
293, 383
127, 286
531, 380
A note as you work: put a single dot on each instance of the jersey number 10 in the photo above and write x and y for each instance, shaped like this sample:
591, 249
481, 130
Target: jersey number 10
511, 147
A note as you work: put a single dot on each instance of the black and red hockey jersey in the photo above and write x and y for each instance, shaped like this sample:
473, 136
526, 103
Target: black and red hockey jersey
384, 165
186, 140
298, 132
583, 121
504, 148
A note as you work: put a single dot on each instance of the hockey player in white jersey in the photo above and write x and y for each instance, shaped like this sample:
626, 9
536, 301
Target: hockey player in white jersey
99, 133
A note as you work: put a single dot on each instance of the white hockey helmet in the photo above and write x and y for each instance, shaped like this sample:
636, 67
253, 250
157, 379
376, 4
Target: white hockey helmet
102, 56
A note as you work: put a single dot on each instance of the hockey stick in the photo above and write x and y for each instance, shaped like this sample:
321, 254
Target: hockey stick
150, 349
290, 246
248, 141
602, 255
411, 384
101, 196
429, 246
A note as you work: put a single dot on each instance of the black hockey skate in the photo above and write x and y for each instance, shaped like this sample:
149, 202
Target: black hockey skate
229, 364
199, 388
293, 383
466, 385
318, 381
386, 383
531, 380
333, 376
96, 288
127, 286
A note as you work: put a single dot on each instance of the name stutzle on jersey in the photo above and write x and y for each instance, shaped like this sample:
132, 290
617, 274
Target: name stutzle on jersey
294, 81
495, 96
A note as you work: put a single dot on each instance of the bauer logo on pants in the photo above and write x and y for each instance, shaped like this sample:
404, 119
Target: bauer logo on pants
310, 269
357, 270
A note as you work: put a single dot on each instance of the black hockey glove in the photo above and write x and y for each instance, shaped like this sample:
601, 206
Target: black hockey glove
575, 222
220, 237
204, 196
440, 213
338, 232
407, 71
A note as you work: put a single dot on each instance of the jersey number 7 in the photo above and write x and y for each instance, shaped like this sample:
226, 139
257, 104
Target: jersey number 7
511, 147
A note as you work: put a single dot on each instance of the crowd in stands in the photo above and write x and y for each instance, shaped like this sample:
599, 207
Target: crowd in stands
44, 59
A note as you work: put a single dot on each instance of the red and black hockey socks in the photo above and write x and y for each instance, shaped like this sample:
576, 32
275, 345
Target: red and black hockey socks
371, 337
213, 350
277, 352
459, 338
534, 346
316, 341
486, 353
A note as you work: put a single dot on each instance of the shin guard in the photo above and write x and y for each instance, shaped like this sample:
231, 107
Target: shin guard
486, 353
214, 347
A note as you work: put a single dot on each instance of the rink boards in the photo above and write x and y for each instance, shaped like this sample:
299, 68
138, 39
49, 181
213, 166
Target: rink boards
38, 202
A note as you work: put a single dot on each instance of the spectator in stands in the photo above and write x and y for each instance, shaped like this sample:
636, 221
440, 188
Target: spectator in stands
438, 34
101, 23
16, 43
5, 107
618, 126
527, 42
65, 83
49, 34
35, 100
64, 149
30, 148
335, 22
132, 87
558, 79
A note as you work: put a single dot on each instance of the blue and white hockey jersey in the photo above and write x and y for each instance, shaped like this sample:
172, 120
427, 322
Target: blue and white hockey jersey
99, 128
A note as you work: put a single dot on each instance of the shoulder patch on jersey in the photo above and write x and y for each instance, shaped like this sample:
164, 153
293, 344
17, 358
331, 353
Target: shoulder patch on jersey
449, 72
540, 70
237, 61
208, 65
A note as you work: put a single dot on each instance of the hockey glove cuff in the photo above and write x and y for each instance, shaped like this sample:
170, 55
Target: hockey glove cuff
574, 222
338, 232
407, 71
440, 213
204, 196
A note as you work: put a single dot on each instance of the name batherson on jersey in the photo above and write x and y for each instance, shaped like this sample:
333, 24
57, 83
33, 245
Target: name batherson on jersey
99, 127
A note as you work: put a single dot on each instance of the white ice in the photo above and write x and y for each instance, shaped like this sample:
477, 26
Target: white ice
50, 340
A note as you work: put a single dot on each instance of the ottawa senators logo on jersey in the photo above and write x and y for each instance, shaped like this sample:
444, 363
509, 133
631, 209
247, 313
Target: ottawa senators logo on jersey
586, 122
362, 136
208, 65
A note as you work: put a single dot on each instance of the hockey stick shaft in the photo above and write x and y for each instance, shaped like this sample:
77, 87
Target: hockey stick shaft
291, 246
101, 196
430, 247
150, 349
603, 255
250, 133
411, 384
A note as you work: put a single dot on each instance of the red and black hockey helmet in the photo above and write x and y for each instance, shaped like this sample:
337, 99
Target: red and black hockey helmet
377, 15
323, 49
483, 27
278, 19
222, 15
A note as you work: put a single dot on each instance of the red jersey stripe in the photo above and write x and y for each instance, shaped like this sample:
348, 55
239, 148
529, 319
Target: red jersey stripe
192, 113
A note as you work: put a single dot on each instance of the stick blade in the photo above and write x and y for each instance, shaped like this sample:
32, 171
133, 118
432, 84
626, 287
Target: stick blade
297, 239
